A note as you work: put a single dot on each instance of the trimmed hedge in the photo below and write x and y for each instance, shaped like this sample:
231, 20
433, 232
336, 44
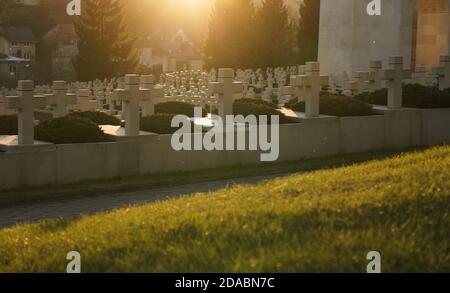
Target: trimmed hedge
158, 123
70, 129
256, 102
177, 108
414, 96
98, 118
335, 105
8, 125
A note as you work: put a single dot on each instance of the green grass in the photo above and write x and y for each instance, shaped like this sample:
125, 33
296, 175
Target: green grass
13, 197
322, 221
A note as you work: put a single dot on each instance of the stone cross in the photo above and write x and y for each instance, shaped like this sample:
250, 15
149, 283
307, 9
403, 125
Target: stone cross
313, 82
361, 81
226, 88
443, 72
131, 96
394, 77
84, 102
60, 99
25, 103
147, 83
296, 88
375, 75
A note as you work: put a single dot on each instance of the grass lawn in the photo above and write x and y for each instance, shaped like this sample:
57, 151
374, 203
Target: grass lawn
325, 221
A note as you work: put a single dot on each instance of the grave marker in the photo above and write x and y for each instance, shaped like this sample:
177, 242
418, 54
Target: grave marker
226, 88
394, 77
147, 83
60, 99
25, 103
131, 96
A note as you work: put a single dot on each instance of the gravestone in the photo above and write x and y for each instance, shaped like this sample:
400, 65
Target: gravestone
394, 77
443, 72
226, 88
25, 103
313, 82
84, 101
131, 97
148, 83
60, 99
375, 75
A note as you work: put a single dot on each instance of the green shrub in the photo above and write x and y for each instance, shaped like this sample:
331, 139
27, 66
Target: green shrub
70, 129
335, 105
98, 118
42, 116
158, 123
246, 109
177, 108
414, 96
8, 125
256, 102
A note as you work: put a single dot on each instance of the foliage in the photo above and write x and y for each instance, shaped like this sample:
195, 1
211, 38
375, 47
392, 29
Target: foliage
299, 223
70, 129
105, 48
273, 46
256, 102
177, 108
335, 105
230, 40
98, 118
8, 125
158, 123
308, 31
414, 96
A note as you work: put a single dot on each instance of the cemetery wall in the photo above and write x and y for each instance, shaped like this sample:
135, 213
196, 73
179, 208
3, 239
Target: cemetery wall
314, 138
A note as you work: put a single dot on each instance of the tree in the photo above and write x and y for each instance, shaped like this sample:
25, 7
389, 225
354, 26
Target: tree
274, 35
308, 34
6, 7
105, 47
230, 41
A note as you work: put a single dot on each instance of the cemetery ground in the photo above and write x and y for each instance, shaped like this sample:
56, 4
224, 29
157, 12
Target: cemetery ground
325, 221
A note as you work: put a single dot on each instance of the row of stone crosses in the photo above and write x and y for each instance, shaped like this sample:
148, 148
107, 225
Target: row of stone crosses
137, 95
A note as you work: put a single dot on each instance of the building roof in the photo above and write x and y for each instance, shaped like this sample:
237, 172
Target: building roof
18, 34
62, 32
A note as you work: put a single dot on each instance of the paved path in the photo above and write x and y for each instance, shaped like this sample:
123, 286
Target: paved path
81, 206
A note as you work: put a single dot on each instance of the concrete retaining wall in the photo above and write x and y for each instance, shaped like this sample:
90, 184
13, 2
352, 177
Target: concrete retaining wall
313, 138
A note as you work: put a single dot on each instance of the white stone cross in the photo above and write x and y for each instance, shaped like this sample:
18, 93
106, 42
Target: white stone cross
394, 77
296, 89
226, 88
313, 82
60, 99
361, 79
131, 96
375, 75
84, 101
25, 103
147, 83
443, 72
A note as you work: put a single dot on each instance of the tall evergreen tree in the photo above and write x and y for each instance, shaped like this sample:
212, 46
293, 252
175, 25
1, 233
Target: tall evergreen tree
274, 35
6, 8
231, 34
308, 34
105, 47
